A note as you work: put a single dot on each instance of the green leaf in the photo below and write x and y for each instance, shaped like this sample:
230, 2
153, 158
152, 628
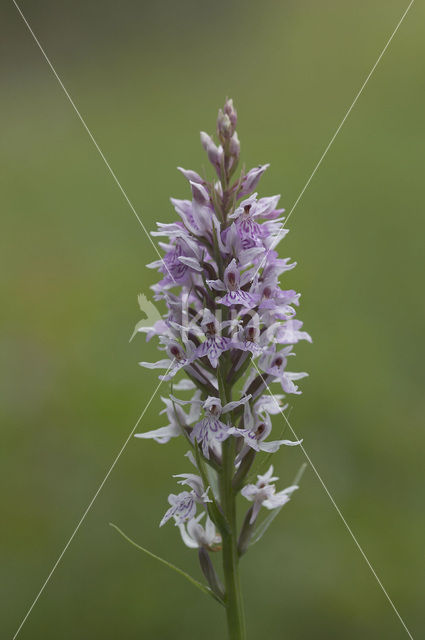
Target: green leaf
262, 528
188, 577
300, 473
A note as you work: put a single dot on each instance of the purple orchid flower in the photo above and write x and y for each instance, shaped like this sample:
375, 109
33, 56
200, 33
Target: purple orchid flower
183, 505
233, 281
179, 357
274, 363
214, 344
257, 427
251, 179
211, 430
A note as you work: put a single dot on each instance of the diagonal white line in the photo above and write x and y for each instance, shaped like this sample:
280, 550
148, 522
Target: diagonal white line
83, 517
92, 138
341, 124
331, 498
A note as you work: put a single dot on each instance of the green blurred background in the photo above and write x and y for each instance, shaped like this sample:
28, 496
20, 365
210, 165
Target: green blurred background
147, 77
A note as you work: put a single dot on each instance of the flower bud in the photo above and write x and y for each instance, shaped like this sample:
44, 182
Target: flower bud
199, 193
235, 145
215, 154
210, 573
246, 533
252, 178
230, 110
224, 126
192, 176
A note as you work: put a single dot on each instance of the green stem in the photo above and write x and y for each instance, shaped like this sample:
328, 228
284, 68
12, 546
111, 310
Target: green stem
233, 595
234, 603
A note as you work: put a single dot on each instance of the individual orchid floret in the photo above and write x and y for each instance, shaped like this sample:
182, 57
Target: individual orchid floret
179, 358
233, 283
272, 297
197, 536
247, 219
263, 494
274, 364
249, 338
275, 266
211, 431
289, 333
257, 427
272, 404
251, 179
249, 229
195, 482
178, 420
185, 209
191, 176
183, 505
234, 147
175, 272
215, 154
215, 344
202, 212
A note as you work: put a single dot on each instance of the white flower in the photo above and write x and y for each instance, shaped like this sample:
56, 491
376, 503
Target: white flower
270, 403
178, 420
256, 429
195, 483
263, 493
274, 363
178, 359
183, 505
195, 535
210, 431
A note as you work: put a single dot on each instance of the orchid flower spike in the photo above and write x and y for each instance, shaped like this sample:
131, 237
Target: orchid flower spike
226, 325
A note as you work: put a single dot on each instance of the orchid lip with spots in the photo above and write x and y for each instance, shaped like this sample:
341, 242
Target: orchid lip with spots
228, 334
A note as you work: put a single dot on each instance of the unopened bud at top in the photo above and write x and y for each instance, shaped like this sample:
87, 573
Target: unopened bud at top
230, 110
226, 121
224, 126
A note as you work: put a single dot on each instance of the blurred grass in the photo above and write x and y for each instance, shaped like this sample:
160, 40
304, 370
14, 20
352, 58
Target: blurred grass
147, 78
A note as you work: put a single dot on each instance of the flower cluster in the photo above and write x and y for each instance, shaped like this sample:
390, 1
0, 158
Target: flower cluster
231, 329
